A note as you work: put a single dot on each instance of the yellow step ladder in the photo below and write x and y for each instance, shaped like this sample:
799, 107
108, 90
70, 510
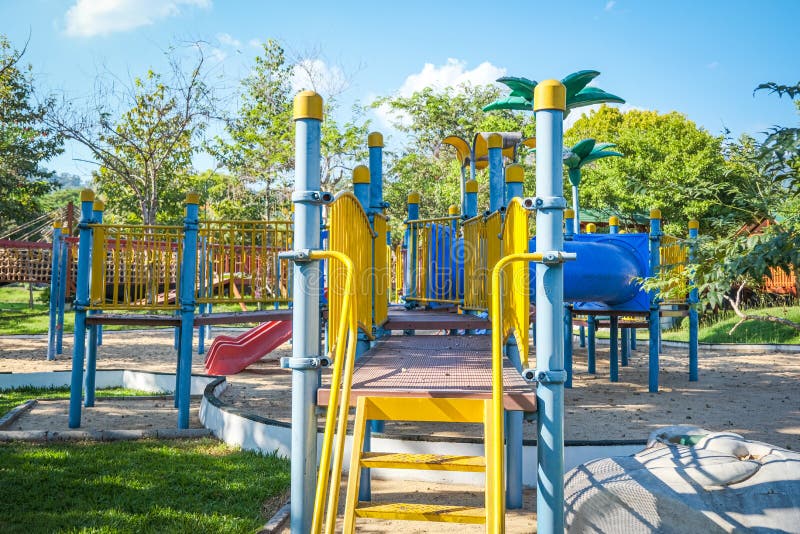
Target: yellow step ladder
424, 409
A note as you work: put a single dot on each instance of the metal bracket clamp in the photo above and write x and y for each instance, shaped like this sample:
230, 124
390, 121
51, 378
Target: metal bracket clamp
298, 256
554, 257
552, 376
311, 362
312, 197
545, 203
656, 236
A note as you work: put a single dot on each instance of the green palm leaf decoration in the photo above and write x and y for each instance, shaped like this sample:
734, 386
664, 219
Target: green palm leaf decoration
578, 95
583, 153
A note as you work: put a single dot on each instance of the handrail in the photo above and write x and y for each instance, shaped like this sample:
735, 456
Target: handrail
494, 463
516, 279
330, 472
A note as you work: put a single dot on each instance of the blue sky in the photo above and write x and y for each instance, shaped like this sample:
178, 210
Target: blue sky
702, 58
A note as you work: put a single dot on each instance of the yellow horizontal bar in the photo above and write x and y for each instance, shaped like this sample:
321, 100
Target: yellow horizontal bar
424, 409
422, 512
436, 219
443, 301
424, 462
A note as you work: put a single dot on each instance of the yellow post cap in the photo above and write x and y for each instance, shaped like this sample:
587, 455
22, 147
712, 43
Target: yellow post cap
375, 139
87, 195
694, 224
56, 224
308, 105
569, 213
452, 209
192, 198
494, 141
613, 220
361, 174
655, 213
591, 228
471, 186
515, 174
98, 205
414, 197
550, 94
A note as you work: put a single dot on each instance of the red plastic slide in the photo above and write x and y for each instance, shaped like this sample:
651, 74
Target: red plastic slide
230, 355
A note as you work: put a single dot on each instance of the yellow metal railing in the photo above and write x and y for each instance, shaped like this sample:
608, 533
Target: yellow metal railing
135, 267
342, 351
432, 244
475, 270
398, 272
382, 262
674, 255
494, 243
238, 262
350, 234
515, 291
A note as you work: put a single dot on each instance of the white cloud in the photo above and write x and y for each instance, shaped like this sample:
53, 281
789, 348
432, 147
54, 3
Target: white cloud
610, 5
713, 65
88, 18
318, 76
453, 73
255, 43
227, 39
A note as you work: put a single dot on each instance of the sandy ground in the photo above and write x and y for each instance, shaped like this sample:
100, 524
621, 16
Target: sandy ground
754, 394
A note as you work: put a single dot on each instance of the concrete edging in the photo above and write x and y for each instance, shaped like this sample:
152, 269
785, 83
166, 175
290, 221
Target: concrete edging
730, 347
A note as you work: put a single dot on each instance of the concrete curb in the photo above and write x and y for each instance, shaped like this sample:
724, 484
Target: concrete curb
277, 521
15, 413
101, 435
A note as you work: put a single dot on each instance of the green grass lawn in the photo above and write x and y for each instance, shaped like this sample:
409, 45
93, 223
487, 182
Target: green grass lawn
751, 332
138, 487
11, 398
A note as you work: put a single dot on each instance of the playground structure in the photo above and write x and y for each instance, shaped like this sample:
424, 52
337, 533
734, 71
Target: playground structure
478, 263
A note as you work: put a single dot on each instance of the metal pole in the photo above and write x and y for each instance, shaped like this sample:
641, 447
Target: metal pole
694, 228
471, 203
305, 311
94, 330
576, 209
63, 280
413, 214
591, 346
375, 144
496, 189
549, 106
463, 184
654, 322
569, 224
81, 302
201, 330
187, 294
613, 354
515, 177
568, 344
513, 428
361, 186
54, 293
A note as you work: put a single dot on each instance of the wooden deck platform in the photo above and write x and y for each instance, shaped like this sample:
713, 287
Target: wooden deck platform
435, 366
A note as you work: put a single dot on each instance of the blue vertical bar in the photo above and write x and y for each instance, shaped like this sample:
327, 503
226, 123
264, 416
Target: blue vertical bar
613, 355
569, 225
496, 179
63, 280
54, 293
568, 344
633, 339
471, 203
591, 349
187, 302
626, 346
411, 232
655, 327
514, 467
94, 329
81, 302
582, 336
515, 178
201, 329
694, 227
549, 106
305, 311
375, 144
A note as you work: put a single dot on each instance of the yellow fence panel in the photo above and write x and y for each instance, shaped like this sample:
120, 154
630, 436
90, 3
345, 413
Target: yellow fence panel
238, 262
135, 267
476, 272
432, 246
350, 234
494, 236
382, 256
515, 280
674, 255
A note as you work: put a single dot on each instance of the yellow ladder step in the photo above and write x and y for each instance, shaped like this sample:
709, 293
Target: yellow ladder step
422, 512
428, 462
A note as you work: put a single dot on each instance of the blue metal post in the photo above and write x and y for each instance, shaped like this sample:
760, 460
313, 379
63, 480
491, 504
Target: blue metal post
569, 224
54, 293
613, 355
591, 348
496, 189
94, 330
626, 347
361, 186
654, 321
515, 178
305, 311
549, 106
613, 224
375, 143
694, 227
411, 267
568, 344
81, 302
187, 295
514, 420
201, 329
582, 336
63, 280
471, 202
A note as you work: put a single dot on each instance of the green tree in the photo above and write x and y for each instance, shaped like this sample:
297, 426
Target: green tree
145, 144
25, 142
668, 163
258, 145
425, 118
